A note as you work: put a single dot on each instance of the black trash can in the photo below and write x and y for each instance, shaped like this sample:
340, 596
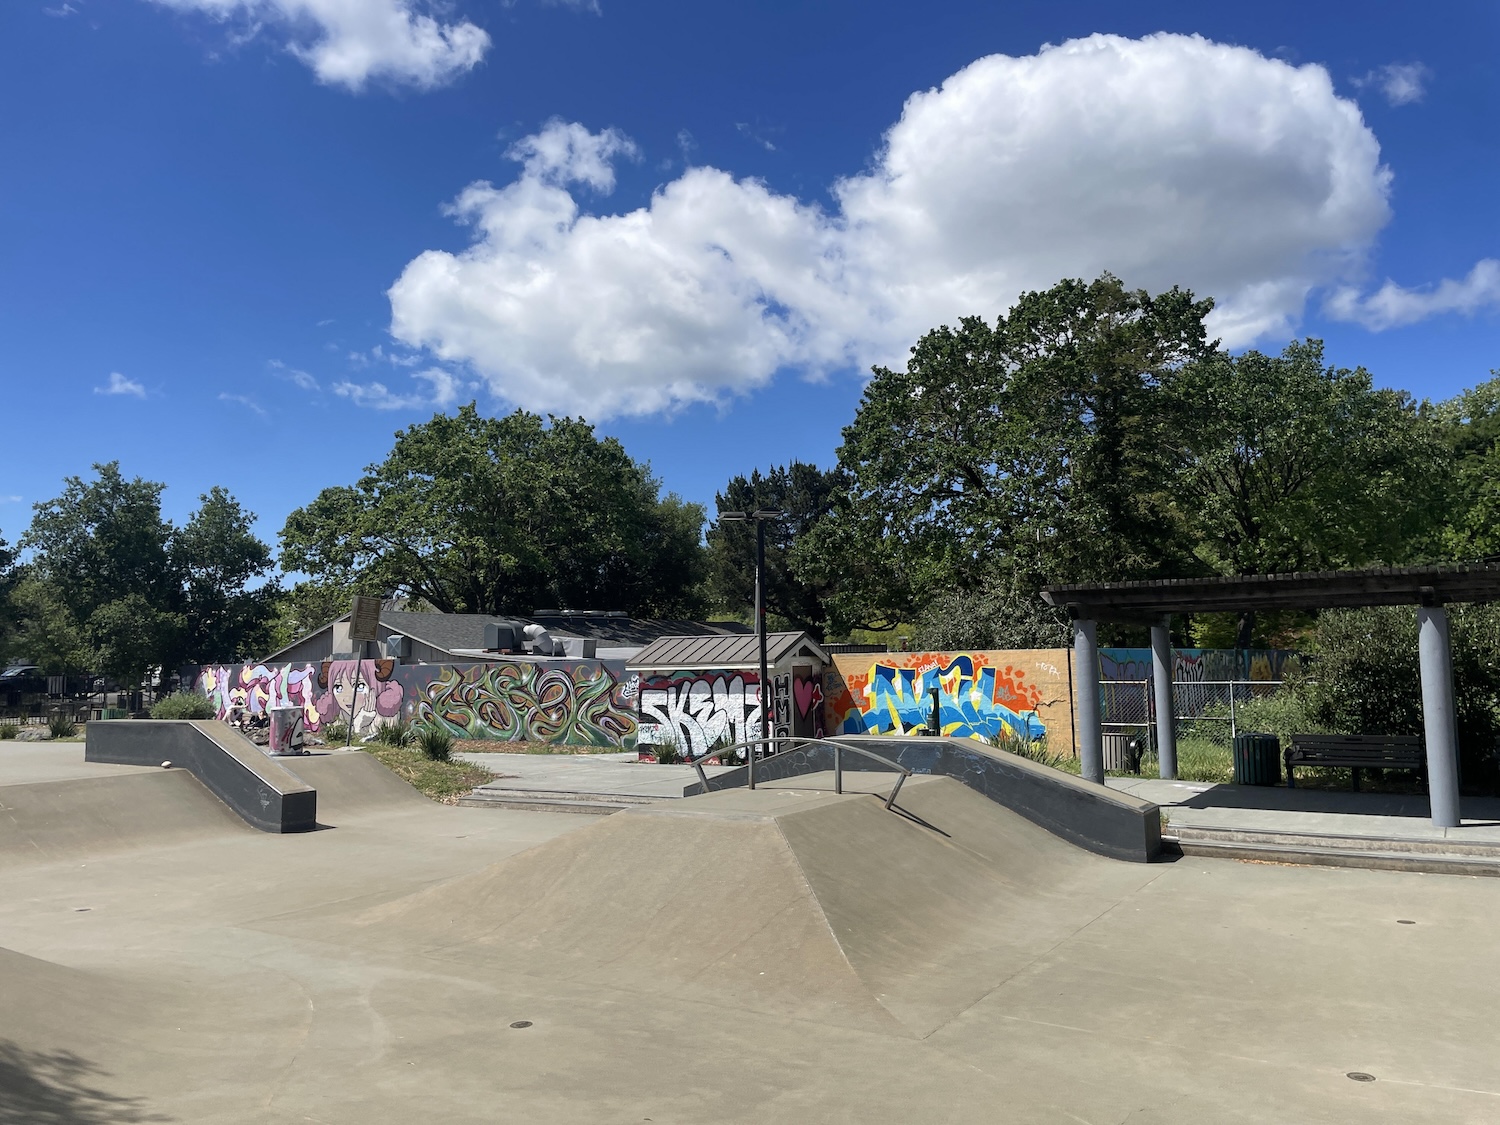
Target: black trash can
1257, 758
1122, 753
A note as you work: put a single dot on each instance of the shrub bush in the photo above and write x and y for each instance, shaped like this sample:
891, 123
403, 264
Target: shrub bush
396, 733
1368, 680
1288, 712
184, 705
335, 733
62, 726
7, 730
435, 742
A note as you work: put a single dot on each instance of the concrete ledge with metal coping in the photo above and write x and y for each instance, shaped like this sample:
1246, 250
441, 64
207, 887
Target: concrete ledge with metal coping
233, 768
1102, 820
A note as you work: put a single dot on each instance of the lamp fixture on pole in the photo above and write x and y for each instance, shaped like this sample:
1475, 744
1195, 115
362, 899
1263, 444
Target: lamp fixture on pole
761, 516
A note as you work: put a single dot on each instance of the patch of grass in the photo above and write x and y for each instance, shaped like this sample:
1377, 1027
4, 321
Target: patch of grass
1198, 759
442, 781
496, 746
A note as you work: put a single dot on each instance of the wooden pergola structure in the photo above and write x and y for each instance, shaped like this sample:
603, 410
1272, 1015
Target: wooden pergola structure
1429, 588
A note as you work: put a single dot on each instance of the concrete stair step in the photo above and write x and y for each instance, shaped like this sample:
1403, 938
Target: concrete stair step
556, 800
1336, 840
1443, 857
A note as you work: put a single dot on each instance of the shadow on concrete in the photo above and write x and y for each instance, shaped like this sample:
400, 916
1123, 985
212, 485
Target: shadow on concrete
58, 1088
917, 820
1476, 810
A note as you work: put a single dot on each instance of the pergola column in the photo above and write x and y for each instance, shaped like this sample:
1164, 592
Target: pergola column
1090, 721
1166, 708
1438, 715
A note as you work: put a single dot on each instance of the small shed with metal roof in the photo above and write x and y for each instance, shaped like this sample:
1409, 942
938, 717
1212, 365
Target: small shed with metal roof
724, 652
701, 692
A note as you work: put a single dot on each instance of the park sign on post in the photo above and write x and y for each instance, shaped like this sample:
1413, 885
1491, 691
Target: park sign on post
364, 619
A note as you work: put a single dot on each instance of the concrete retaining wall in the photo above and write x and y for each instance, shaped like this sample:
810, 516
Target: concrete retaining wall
233, 768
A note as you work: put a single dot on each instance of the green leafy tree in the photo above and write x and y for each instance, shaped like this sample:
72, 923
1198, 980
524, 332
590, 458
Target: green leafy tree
505, 515
993, 617
1035, 450
1290, 464
102, 549
806, 494
309, 605
47, 633
226, 614
10, 610
1470, 423
115, 587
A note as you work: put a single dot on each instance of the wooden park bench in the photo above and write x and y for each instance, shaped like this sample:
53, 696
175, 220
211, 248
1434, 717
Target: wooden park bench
1357, 752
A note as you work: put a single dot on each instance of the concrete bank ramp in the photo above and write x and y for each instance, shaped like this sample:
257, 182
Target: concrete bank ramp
784, 901
56, 820
243, 777
351, 786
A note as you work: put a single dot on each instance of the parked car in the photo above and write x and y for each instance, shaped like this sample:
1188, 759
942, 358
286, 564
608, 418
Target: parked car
20, 684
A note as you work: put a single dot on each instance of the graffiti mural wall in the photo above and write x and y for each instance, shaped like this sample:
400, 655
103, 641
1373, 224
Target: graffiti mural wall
582, 704
807, 693
700, 711
259, 687
1199, 665
983, 695
577, 703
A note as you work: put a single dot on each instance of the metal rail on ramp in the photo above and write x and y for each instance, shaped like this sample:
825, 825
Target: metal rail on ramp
797, 743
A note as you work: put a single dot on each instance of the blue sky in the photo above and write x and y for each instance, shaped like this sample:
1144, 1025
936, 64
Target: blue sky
243, 241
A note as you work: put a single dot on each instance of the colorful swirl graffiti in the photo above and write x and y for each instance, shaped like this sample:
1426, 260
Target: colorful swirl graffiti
974, 700
580, 704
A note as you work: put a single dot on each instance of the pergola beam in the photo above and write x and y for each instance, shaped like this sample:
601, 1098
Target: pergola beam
1143, 602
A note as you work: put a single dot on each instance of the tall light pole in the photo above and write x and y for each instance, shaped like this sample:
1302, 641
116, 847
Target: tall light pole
761, 516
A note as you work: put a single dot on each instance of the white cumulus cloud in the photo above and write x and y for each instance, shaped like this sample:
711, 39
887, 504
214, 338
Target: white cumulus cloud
1165, 160
349, 42
1392, 306
120, 385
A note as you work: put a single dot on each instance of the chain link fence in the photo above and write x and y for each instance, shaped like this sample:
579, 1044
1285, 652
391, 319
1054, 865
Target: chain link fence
1207, 712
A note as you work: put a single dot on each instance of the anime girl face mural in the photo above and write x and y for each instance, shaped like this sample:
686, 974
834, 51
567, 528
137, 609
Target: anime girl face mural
365, 688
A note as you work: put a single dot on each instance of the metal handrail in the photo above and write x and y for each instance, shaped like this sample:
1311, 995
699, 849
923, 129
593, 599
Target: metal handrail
838, 761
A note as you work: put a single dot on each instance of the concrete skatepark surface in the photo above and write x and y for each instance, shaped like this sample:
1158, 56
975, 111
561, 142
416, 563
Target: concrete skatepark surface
784, 955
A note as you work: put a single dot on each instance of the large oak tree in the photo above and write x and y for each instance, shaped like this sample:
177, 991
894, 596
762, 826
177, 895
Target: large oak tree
1033, 450
475, 514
